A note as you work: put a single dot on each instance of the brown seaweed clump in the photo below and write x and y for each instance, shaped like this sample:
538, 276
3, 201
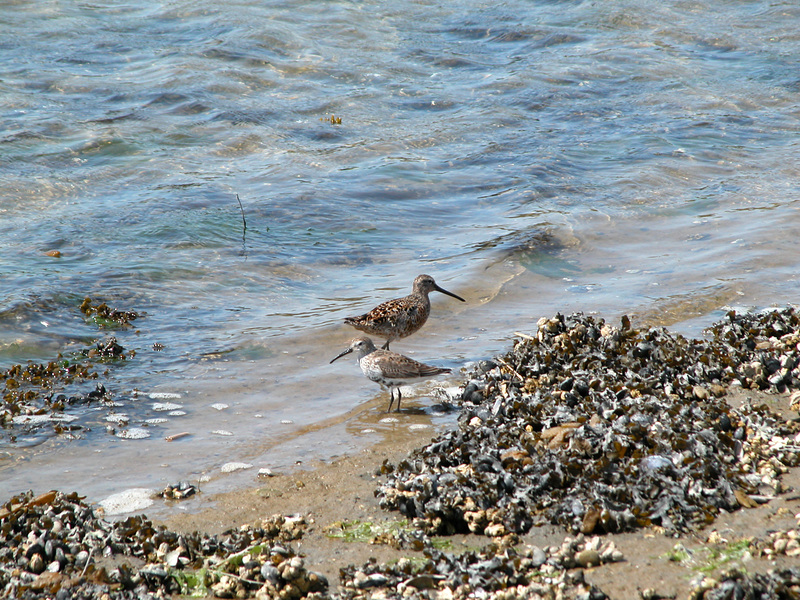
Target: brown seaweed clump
40, 395
605, 429
104, 315
36, 395
30, 393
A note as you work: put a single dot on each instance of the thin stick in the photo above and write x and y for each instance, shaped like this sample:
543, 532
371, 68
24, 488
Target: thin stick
244, 222
510, 368
244, 225
525, 336
91, 554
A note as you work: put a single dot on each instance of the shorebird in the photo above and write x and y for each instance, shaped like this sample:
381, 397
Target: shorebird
400, 317
388, 368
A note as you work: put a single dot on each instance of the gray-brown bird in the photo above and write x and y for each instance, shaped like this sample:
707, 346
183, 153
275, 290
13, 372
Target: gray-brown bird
400, 317
388, 368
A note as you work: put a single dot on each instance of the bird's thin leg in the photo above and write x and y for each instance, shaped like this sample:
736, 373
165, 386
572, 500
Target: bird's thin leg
391, 399
386, 345
399, 396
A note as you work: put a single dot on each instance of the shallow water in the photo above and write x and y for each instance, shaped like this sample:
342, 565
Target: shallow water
534, 157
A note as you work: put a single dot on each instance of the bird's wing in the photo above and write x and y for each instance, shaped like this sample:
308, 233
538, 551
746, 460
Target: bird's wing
386, 313
397, 366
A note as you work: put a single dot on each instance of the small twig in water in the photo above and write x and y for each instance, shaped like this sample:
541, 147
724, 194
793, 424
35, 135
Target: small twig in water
244, 225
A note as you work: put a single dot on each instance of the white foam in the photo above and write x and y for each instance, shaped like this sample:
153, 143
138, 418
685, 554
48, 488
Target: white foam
128, 501
165, 406
235, 466
134, 433
39, 419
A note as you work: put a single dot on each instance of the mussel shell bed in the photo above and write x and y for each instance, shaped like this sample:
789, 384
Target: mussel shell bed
608, 429
56, 546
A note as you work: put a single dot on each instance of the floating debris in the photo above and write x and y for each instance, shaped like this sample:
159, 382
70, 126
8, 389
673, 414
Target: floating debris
219, 406
223, 432
602, 429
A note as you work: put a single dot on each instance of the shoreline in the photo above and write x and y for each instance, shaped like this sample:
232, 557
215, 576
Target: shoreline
332, 497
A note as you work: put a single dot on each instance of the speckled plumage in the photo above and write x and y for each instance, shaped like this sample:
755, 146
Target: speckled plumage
400, 317
387, 368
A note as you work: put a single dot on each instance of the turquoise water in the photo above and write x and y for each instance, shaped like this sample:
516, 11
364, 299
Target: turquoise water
534, 157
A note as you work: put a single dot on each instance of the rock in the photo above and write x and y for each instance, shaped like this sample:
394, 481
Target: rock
495, 530
47, 581
36, 564
422, 582
363, 581
270, 573
587, 558
538, 557
225, 587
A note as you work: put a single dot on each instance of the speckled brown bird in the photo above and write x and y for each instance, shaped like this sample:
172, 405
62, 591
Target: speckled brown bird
400, 317
388, 368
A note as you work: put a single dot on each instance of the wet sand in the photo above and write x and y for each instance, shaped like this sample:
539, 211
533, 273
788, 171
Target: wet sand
343, 490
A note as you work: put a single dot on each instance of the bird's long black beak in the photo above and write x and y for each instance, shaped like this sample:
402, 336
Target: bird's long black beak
444, 291
348, 351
